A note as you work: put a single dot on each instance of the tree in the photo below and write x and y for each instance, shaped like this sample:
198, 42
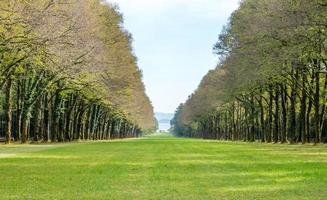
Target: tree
273, 57
68, 72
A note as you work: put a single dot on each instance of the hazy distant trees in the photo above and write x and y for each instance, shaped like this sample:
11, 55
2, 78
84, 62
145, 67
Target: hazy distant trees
271, 83
67, 72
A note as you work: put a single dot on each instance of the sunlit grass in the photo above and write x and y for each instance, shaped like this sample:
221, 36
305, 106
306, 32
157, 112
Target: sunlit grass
163, 167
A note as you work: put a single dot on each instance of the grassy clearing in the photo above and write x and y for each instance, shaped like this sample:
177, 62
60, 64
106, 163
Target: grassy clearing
163, 167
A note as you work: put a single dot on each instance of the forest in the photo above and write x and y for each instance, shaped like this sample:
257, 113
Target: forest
271, 81
68, 72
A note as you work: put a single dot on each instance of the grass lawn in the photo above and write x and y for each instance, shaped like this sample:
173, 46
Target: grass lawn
163, 167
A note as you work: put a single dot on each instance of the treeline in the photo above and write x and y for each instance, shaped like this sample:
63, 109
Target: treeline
271, 81
68, 72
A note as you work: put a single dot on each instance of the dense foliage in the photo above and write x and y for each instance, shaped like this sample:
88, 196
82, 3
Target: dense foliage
68, 72
271, 81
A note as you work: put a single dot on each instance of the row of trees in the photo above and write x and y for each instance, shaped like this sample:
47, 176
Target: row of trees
68, 72
271, 81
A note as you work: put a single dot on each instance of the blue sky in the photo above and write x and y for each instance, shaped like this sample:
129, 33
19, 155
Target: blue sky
173, 41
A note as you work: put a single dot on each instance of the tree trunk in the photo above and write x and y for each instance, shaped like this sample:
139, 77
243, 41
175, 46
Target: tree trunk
317, 104
8, 110
284, 113
262, 121
24, 129
18, 112
323, 109
37, 121
292, 114
270, 115
303, 109
276, 120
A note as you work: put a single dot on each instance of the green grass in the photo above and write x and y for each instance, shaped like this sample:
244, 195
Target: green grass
163, 167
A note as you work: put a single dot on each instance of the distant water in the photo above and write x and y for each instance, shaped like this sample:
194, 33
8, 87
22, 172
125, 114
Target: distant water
164, 126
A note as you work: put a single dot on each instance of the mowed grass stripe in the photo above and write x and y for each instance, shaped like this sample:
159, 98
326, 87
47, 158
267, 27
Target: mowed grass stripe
163, 167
